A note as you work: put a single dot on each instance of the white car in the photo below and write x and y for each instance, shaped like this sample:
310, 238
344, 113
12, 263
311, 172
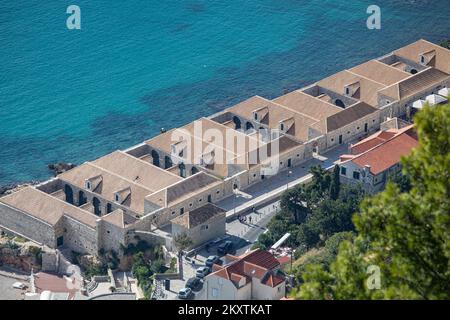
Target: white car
19, 285
202, 272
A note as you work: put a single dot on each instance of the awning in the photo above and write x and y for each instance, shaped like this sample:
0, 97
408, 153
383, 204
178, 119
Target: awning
419, 104
445, 92
433, 99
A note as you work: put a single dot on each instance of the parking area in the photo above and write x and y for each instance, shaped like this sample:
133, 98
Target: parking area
7, 292
242, 233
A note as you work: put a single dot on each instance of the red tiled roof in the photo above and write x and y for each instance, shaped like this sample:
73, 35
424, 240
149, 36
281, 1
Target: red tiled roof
284, 259
388, 153
371, 141
273, 280
257, 263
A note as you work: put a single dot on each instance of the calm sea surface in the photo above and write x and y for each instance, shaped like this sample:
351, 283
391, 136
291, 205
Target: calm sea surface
137, 66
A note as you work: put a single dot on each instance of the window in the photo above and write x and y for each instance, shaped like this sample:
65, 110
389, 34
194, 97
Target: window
173, 212
347, 91
200, 200
218, 191
422, 59
117, 197
356, 175
181, 210
255, 116
204, 227
60, 241
88, 185
282, 127
343, 171
190, 204
254, 175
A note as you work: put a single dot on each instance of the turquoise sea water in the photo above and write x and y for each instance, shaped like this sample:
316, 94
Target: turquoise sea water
137, 66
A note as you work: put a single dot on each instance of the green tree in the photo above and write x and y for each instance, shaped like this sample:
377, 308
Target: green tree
405, 234
335, 183
182, 242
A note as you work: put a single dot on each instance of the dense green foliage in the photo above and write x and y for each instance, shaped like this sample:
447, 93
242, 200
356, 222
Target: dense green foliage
145, 264
404, 233
313, 212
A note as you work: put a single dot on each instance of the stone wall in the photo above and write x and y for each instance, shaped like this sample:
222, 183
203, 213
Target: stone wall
24, 225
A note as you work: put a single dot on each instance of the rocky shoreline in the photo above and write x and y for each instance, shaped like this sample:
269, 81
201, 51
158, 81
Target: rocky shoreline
57, 168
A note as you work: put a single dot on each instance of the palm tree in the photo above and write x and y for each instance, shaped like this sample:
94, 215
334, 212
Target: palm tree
182, 242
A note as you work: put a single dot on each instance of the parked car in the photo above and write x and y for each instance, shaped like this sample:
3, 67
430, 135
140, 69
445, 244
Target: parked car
225, 247
194, 283
19, 285
212, 260
185, 293
202, 272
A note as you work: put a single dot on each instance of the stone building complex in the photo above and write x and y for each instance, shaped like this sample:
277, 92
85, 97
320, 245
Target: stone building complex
102, 204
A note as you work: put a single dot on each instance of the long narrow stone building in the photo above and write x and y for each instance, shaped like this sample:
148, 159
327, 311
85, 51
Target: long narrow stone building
105, 203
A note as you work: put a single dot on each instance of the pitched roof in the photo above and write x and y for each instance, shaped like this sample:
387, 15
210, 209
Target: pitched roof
367, 88
137, 170
192, 184
422, 47
389, 152
349, 115
308, 105
46, 207
111, 183
258, 264
119, 218
415, 84
275, 114
380, 72
199, 216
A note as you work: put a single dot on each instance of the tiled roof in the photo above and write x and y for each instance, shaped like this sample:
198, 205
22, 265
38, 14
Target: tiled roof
367, 88
119, 218
46, 207
415, 84
111, 183
388, 153
199, 216
371, 141
349, 115
192, 184
258, 264
380, 72
137, 170
414, 50
308, 105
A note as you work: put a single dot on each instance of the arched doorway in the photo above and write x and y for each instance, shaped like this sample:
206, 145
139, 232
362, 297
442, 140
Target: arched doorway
96, 204
194, 170
339, 103
155, 157
182, 168
69, 193
81, 198
167, 162
237, 122
249, 126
